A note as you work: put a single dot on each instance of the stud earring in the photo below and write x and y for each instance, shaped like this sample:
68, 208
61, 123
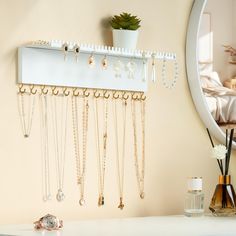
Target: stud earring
104, 63
76, 50
65, 50
91, 61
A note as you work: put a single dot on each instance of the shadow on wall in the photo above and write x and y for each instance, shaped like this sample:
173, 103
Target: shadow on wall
106, 32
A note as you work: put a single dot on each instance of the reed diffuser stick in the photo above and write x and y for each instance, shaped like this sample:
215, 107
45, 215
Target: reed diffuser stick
229, 150
219, 163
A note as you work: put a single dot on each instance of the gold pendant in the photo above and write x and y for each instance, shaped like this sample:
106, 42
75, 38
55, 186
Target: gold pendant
121, 205
81, 202
142, 195
91, 61
100, 201
79, 181
104, 63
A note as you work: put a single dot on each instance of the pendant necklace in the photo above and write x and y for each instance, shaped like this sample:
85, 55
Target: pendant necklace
26, 121
59, 134
140, 171
101, 154
80, 164
120, 160
43, 106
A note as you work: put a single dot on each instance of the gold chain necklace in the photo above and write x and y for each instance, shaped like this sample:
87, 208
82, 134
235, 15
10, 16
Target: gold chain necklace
60, 140
120, 160
43, 106
101, 156
139, 171
80, 171
26, 123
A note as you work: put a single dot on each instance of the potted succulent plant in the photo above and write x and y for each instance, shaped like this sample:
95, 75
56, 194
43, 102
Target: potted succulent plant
125, 30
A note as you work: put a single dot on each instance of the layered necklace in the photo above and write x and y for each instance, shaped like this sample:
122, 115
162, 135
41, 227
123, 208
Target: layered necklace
101, 150
26, 118
80, 164
59, 135
139, 164
43, 106
120, 156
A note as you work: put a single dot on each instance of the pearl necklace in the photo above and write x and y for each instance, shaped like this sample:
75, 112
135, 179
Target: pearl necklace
80, 170
167, 82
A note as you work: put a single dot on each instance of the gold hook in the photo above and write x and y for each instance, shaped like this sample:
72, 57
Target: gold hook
43, 91
55, 92
21, 90
96, 94
106, 94
74, 92
86, 93
143, 97
135, 97
32, 91
66, 92
125, 96
116, 95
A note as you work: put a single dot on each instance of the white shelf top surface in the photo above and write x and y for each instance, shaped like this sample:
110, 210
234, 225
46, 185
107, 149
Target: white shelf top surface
147, 226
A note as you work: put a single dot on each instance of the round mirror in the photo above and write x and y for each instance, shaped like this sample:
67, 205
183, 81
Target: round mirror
211, 64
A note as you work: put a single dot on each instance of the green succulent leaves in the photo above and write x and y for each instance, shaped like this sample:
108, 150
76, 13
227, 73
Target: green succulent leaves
125, 21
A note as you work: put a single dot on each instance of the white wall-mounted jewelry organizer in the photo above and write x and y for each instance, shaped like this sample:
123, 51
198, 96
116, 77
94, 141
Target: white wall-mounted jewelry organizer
42, 63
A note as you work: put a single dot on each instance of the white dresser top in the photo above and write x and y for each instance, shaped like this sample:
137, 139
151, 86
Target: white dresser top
147, 226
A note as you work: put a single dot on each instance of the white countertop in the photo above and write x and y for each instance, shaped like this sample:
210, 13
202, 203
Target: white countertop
147, 226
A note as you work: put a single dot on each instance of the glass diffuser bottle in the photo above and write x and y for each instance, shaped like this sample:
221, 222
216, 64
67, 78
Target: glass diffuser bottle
224, 199
194, 201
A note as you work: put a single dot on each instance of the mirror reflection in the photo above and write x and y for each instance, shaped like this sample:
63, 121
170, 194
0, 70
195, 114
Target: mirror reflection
217, 60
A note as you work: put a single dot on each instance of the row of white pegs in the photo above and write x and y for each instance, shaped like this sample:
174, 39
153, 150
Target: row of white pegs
106, 50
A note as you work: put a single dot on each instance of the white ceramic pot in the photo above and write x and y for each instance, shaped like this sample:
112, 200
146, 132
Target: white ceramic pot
125, 38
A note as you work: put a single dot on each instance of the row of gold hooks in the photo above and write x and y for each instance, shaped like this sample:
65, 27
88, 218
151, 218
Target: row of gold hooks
83, 92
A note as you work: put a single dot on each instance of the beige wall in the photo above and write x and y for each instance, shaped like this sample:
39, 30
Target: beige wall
177, 144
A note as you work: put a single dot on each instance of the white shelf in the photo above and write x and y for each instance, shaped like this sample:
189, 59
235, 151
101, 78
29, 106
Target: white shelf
151, 226
42, 63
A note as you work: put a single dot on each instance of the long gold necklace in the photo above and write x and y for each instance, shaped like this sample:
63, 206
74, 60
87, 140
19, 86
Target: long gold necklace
140, 171
120, 160
26, 119
80, 170
101, 154
59, 134
43, 108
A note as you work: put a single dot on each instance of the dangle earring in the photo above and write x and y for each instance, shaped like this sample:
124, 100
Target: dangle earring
76, 50
91, 61
131, 69
65, 48
118, 66
104, 62
144, 72
153, 68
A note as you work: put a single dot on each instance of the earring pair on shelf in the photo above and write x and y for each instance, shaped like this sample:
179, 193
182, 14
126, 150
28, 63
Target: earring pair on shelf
76, 50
